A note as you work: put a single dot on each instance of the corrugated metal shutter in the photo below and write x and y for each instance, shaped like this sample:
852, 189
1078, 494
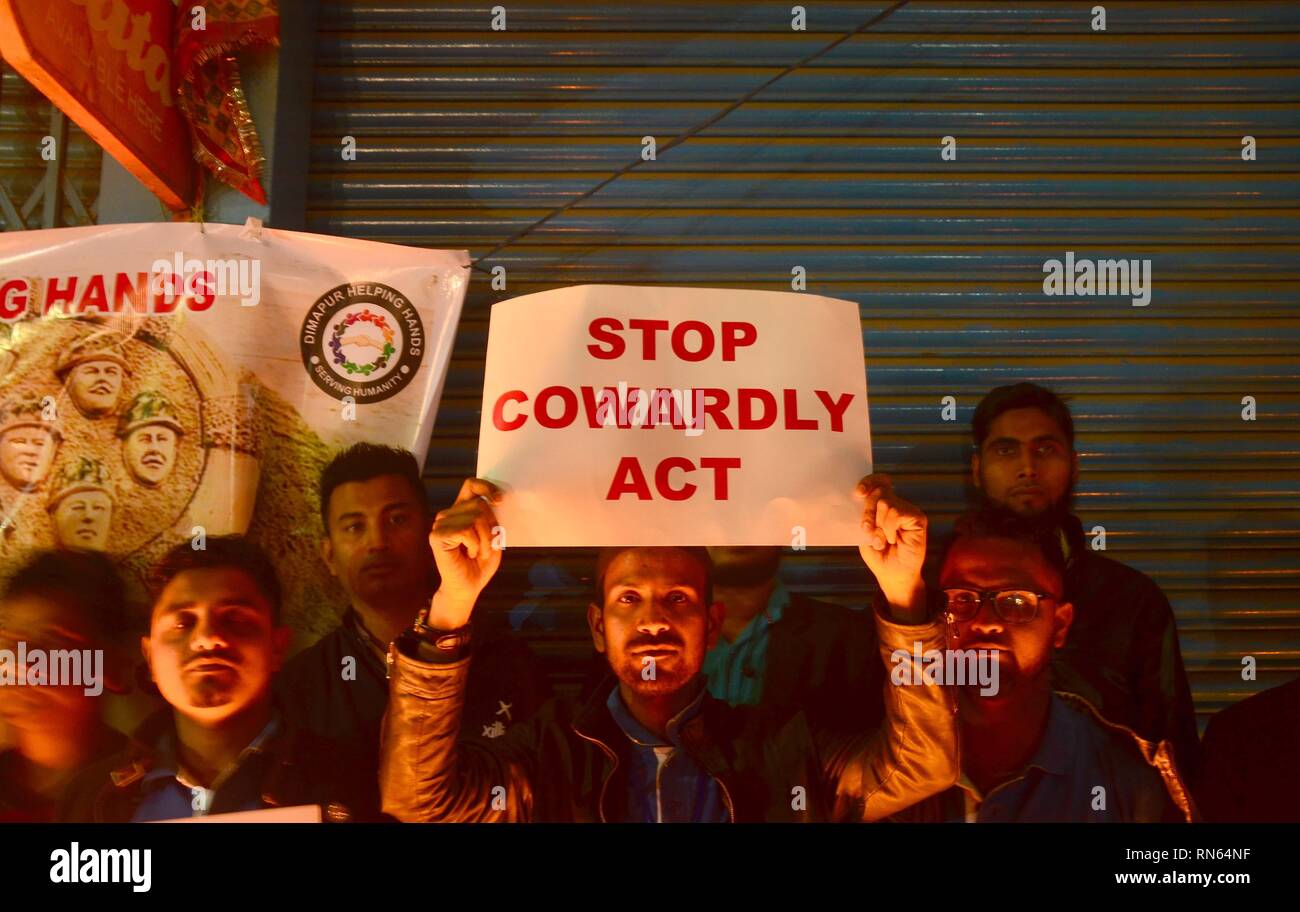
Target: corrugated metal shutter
1125, 143
24, 122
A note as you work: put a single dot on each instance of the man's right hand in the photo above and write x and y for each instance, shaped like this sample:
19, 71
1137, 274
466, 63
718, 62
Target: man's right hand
461, 541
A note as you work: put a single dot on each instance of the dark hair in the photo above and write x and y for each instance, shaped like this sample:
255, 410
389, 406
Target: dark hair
607, 555
221, 552
86, 582
991, 522
1017, 396
364, 461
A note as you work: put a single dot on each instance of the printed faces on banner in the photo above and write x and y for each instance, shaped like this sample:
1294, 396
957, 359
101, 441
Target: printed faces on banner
160, 381
657, 416
113, 431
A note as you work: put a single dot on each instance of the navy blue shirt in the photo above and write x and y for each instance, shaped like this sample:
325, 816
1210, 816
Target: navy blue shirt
664, 784
1084, 771
167, 795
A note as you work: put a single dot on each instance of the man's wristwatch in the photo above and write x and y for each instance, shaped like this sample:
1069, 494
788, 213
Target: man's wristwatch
430, 644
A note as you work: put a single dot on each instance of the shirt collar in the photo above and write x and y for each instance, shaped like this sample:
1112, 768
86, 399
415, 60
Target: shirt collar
352, 622
777, 602
640, 735
1059, 737
1054, 750
167, 766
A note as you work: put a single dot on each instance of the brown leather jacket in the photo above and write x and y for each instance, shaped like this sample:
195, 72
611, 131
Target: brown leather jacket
568, 765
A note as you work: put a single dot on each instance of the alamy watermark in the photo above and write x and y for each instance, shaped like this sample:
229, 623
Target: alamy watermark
75, 865
1126, 278
624, 407
231, 277
36, 667
956, 667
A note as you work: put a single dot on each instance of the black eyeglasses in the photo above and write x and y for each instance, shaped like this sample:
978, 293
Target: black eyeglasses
1015, 606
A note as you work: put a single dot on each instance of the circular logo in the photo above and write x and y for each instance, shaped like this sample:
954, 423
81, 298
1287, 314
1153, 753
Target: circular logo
363, 340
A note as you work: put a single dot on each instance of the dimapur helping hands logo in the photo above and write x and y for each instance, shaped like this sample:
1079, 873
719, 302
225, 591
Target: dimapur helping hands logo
364, 340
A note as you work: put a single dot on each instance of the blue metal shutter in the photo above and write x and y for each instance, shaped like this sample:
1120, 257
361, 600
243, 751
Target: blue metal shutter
1123, 143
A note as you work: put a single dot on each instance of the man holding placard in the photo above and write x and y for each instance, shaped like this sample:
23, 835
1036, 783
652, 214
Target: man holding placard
651, 745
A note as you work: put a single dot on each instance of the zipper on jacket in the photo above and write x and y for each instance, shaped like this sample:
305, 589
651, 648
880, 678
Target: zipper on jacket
726, 796
726, 793
600, 802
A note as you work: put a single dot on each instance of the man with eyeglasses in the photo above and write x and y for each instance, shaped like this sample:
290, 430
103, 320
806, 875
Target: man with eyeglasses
1122, 655
1030, 754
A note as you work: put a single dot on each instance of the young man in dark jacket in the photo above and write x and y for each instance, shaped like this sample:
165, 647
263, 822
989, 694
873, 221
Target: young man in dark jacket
214, 644
375, 542
1122, 654
1029, 754
651, 745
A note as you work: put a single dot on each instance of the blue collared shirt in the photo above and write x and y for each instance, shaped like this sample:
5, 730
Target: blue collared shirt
169, 796
1082, 772
735, 670
664, 785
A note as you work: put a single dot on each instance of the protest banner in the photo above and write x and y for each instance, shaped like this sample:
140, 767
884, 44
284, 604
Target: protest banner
659, 416
165, 382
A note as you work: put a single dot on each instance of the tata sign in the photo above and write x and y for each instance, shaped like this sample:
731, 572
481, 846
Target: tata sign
107, 65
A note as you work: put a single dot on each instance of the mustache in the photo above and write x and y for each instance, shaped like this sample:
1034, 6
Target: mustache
987, 644
217, 655
650, 642
384, 562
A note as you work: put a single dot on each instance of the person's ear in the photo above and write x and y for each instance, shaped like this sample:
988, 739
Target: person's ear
327, 554
596, 622
146, 647
1062, 618
1074, 468
975, 468
281, 637
717, 614
117, 674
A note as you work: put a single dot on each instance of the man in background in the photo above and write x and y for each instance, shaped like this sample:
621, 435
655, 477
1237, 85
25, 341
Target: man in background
1122, 654
376, 544
778, 648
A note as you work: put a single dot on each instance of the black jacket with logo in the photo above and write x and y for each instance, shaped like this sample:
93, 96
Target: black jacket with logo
506, 687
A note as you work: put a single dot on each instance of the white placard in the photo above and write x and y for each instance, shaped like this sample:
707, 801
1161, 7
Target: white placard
675, 416
301, 813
